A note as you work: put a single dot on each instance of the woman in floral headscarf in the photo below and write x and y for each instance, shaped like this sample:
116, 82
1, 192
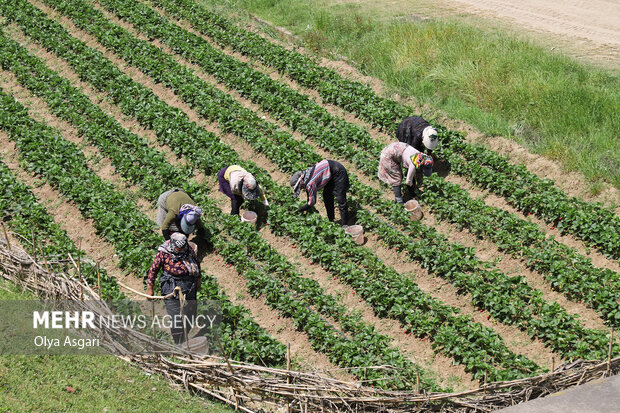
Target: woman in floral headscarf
180, 268
394, 157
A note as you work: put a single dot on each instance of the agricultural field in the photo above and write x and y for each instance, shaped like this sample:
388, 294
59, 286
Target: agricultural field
106, 104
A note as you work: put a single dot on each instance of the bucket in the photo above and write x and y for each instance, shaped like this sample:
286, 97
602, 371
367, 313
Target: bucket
356, 232
249, 216
198, 345
413, 207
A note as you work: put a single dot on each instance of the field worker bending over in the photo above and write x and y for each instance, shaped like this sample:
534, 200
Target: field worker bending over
417, 132
177, 212
239, 185
180, 268
394, 157
330, 176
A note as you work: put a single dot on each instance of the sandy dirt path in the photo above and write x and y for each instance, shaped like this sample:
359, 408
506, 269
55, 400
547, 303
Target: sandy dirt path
596, 22
587, 30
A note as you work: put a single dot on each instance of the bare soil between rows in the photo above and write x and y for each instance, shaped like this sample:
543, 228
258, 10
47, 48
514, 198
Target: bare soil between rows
231, 280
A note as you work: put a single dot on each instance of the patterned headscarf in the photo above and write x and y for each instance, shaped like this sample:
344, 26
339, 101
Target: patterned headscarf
417, 159
192, 218
423, 161
296, 182
177, 240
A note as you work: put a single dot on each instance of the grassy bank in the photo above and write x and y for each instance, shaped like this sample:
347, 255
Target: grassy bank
552, 104
86, 383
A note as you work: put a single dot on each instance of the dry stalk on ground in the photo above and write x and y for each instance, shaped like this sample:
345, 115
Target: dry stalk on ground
250, 388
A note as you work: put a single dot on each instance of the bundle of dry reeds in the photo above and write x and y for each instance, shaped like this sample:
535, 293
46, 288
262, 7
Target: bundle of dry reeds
251, 388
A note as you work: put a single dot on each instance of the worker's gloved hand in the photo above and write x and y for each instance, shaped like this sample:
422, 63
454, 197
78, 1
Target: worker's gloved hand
399, 200
149, 290
166, 234
304, 208
266, 203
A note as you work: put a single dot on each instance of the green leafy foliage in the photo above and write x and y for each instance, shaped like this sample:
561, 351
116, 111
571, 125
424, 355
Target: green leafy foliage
283, 102
26, 216
390, 295
234, 334
591, 222
61, 163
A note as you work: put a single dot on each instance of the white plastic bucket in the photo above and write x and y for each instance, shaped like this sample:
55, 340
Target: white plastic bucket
356, 232
249, 216
413, 207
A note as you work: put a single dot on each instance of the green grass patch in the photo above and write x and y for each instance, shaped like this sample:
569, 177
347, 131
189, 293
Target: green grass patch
501, 84
86, 383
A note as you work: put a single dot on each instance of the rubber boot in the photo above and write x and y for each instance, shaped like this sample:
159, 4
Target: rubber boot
398, 195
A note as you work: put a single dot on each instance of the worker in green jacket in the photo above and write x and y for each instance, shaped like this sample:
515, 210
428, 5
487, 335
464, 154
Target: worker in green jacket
177, 212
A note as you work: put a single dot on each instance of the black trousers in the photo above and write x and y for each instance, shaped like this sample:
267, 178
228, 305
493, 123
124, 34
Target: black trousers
173, 306
235, 204
337, 187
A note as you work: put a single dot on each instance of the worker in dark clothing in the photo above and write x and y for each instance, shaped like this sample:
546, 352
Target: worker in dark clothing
177, 212
330, 176
417, 132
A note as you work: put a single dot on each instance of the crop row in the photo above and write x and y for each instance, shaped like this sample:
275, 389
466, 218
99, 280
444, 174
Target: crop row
125, 156
575, 278
366, 194
304, 301
591, 222
47, 154
595, 225
567, 271
121, 83
26, 216
171, 79
352, 96
298, 111
366, 343
278, 153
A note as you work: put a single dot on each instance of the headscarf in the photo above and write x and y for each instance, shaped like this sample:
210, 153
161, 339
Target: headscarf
429, 137
179, 240
303, 179
186, 209
424, 161
249, 188
295, 182
189, 215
